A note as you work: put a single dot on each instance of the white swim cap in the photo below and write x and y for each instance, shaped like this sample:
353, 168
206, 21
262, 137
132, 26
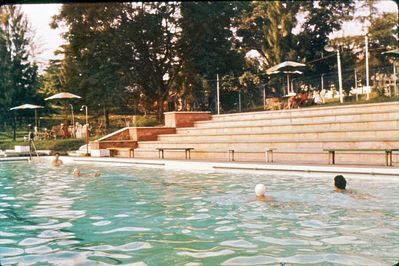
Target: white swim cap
260, 190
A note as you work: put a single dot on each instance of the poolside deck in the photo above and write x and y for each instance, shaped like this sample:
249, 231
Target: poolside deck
366, 171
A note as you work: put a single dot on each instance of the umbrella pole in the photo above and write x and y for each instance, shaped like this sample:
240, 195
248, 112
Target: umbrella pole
288, 83
66, 122
36, 118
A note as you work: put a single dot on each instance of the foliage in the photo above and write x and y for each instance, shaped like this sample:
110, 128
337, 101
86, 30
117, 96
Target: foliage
62, 146
118, 49
19, 77
206, 48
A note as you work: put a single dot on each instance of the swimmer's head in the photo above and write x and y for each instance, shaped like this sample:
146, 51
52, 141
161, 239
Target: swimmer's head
98, 173
260, 190
56, 155
76, 172
339, 182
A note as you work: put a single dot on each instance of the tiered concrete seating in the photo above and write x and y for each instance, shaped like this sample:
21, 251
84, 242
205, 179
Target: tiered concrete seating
299, 135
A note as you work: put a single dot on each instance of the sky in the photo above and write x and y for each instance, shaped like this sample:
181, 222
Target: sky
40, 16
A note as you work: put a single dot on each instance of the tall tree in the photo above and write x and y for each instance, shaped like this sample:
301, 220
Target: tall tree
206, 46
113, 47
89, 67
267, 27
151, 31
19, 80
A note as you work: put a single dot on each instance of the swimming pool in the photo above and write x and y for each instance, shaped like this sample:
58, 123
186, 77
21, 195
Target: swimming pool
148, 216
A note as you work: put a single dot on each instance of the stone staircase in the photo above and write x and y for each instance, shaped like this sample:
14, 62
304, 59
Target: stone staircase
298, 135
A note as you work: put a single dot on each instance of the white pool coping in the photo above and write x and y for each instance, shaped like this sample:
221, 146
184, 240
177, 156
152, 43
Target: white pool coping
366, 171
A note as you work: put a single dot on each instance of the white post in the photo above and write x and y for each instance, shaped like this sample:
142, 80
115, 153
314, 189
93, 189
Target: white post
357, 95
239, 100
341, 96
217, 93
264, 97
322, 81
394, 79
367, 67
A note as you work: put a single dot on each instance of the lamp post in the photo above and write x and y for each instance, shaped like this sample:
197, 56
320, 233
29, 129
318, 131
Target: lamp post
73, 121
264, 96
331, 49
217, 94
87, 129
366, 39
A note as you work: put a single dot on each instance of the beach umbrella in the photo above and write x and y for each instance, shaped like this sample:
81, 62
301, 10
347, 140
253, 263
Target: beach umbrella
392, 53
287, 67
61, 96
28, 106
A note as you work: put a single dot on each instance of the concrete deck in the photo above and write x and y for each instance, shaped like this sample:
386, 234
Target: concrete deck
361, 171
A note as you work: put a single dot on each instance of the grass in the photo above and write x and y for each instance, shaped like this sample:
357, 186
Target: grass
61, 146
335, 102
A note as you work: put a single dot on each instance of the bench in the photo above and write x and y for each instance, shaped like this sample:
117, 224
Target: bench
388, 154
130, 150
268, 154
186, 151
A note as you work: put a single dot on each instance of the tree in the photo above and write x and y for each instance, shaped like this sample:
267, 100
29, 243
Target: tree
19, 80
114, 47
267, 27
206, 46
321, 19
151, 63
89, 67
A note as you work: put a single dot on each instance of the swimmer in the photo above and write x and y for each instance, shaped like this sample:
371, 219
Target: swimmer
57, 161
260, 191
97, 174
340, 187
76, 172
340, 183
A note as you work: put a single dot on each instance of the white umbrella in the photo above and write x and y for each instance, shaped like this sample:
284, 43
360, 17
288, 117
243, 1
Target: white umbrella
64, 95
28, 106
288, 67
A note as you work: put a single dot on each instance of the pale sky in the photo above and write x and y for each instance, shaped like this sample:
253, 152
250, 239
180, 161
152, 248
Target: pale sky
39, 15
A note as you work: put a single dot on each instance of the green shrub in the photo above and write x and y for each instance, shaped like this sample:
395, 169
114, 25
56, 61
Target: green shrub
146, 121
61, 146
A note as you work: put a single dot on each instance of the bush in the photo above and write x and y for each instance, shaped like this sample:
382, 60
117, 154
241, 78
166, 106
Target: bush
146, 121
61, 146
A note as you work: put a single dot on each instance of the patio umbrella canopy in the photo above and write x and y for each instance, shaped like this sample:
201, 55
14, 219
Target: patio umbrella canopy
287, 67
392, 53
28, 106
64, 95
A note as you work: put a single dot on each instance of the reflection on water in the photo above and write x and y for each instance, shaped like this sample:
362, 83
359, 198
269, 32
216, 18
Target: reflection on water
142, 216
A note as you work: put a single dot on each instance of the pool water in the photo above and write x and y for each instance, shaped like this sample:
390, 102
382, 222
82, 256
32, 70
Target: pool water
149, 216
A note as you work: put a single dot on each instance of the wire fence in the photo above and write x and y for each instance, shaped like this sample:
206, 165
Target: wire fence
383, 82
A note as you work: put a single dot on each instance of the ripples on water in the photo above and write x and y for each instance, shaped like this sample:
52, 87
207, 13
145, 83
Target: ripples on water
143, 216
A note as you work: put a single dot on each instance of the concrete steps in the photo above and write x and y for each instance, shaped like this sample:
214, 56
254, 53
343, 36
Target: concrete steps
280, 156
295, 127
319, 111
308, 135
382, 115
281, 144
298, 135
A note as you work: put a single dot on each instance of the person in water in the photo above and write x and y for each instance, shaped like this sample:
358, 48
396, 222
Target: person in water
340, 183
260, 192
76, 172
57, 161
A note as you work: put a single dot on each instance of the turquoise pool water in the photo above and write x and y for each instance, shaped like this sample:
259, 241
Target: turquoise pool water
144, 216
